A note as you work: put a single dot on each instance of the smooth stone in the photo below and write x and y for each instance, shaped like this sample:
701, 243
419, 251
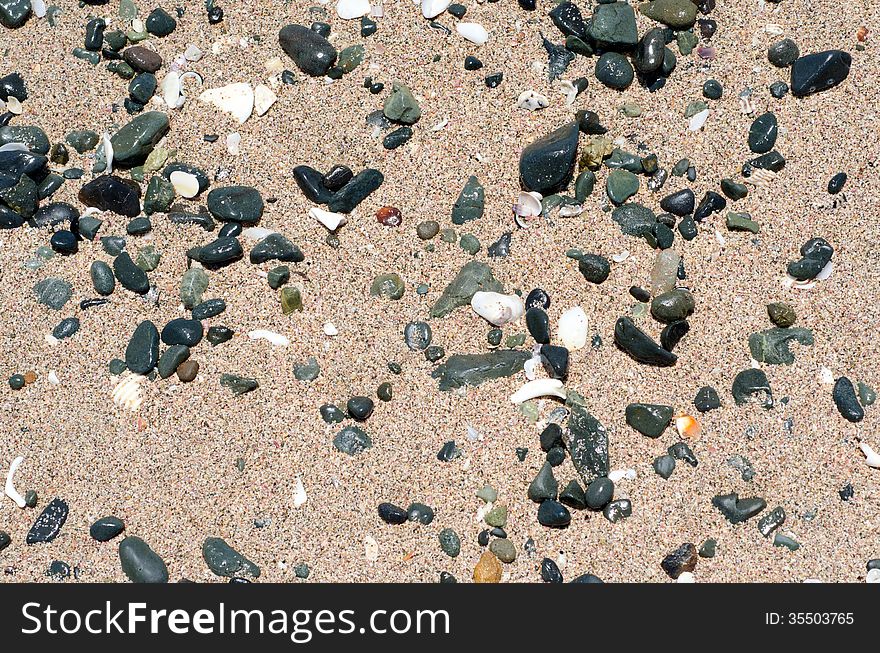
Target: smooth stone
846, 400
664, 466
135, 140
599, 493
470, 203
337, 177
650, 50
639, 345
201, 176
389, 286
187, 371
102, 278
784, 541
550, 572
587, 442
112, 193
737, 510
771, 521
242, 204
49, 523
680, 203
419, 512
308, 371
783, 53
474, 369
504, 550
361, 186
352, 440
673, 305
634, 219
762, 133
192, 285
574, 496
23, 197
867, 395
142, 87
614, 512
276, 247
238, 384
683, 559
614, 71
397, 138
469, 243
836, 183
66, 328
772, 161
159, 195
360, 408
544, 485
752, 385
217, 335
734, 190
181, 331
64, 242
614, 25
553, 514
450, 543
13, 85
568, 19
779, 89
142, 352
140, 563
314, 185
106, 528
621, 185
417, 335
538, 324
672, 334
208, 309
139, 227
708, 548
130, 275
54, 293
772, 346
712, 89
473, 277
142, 58
401, 106
160, 23
711, 203
649, 419
33, 137
225, 561
546, 164
677, 14
583, 185
391, 514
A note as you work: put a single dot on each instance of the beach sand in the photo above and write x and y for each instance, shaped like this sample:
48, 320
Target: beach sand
169, 470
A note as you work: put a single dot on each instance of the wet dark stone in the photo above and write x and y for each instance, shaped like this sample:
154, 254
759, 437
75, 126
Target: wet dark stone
683, 559
707, 399
551, 437
555, 360
537, 298
553, 514
673, 333
599, 493
64, 242
587, 442
310, 51
142, 352
639, 345
595, 268
573, 496
347, 198
54, 214
391, 514
818, 72
763, 133
208, 309
737, 510
140, 563
549, 570
130, 275
711, 203
680, 203
546, 164
311, 183
13, 85
501, 247
276, 247
181, 331
588, 123
783, 53
846, 400
650, 50
112, 193
337, 177
142, 58
836, 183
49, 523
106, 528
751, 385
681, 451
236, 204
648, 419
568, 19
614, 71
538, 325
200, 175
772, 161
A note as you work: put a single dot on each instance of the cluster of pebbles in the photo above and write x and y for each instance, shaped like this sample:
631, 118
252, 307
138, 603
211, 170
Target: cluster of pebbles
138, 178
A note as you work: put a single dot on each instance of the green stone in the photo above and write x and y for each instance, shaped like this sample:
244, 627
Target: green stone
621, 185
584, 184
135, 140
225, 561
384, 392
631, 110
352, 440
389, 286
192, 286
140, 563
772, 346
474, 276
16, 382
22, 198
469, 243
673, 305
649, 419
624, 160
171, 359
92, 57
450, 543
614, 24
102, 278
677, 14
350, 58
515, 340
867, 395
291, 300
680, 168
694, 107
54, 293
503, 549
156, 159
307, 371
401, 106
470, 203
487, 493
752, 385
497, 516
238, 384
586, 440
147, 258
634, 219
787, 542
686, 41
278, 276
734, 190
741, 222
128, 11
494, 337
781, 314
160, 23
33, 137
474, 369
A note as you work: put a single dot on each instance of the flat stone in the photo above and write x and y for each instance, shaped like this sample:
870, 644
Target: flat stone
54, 293
276, 247
140, 563
649, 419
707, 399
112, 193
621, 185
634, 219
352, 440
361, 186
142, 352
171, 359
763, 133
752, 385
677, 14
142, 58
135, 140
639, 345
821, 71
614, 70
737, 510
473, 277
683, 559
49, 523
242, 204
106, 528
587, 442
544, 485
614, 24
450, 543
844, 395
238, 384
225, 561
474, 369
546, 164
401, 105
773, 345
553, 514
470, 203
130, 275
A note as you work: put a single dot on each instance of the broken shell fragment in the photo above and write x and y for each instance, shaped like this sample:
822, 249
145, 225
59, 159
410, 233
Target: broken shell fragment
496, 308
185, 183
235, 99
687, 427
572, 328
872, 458
10, 490
264, 98
127, 393
332, 221
539, 388
532, 101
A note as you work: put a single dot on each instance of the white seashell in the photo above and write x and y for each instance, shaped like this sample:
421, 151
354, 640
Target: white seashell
127, 393
10, 490
433, 8
720, 238
539, 388
531, 366
185, 183
761, 177
570, 210
193, 53
264, 98
14, 147
275, 338
108, 153
621, 257
872, 458
350, 9
873, 576
51, 340
256, 233
371, 548
233, 143
172, 90
496, 308
825, 272
826, 376
528, 205
440, 125
39, 8
472, 434
686, 577
773, 28
620, 474
572, 329
299, 493
13, 105
569, 90
236, 99
698, 120
332, 221
53, 378
473, 32
532, 101
330, 329
746, 105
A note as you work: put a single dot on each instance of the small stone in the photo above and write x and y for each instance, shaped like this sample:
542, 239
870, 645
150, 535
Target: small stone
771, 521
497, 516
504, 550
707, 399
683, 559
595, 268
291, 300
599, 493
844, 395
763, 133
391, 514
818, 72
836, 183
402, 106
488, 569
311, 52
54, 293
239, 385
664, 466
737, 510
352, 440
553, 514
677, 14
187, 371
106, 528
450, 543
49, 523
140, 563
783, 53
470, 203
752, 385
546, 164
614, 70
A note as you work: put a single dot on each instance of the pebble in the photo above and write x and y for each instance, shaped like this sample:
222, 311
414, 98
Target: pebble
614, 71
503, 549
664, 466
546, 164
544, 485
707, 399
553, 514
142, 352
836, 183
242, 204
846, 400
106, 528
712, 89
225, 561
683, 559
48, 525
650, 420
783, 53
737, 510
488, 569
639, 345
599, 493
771, 521
594, 268
352, 440
187, 371
112, 193
130, 275
763, 132
621, 185
360, 408
470, 203
140, 563
752, 385
617, 510
821, 71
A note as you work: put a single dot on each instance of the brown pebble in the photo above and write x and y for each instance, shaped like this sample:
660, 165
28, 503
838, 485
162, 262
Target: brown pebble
187, 371
488, 569
141, 58
389, 216
30, 377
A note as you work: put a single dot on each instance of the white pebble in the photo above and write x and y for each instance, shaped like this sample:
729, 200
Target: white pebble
371, 548
39, 8
350, 9
873, 576
264, 98
497, 309
572, 328
233, 143
275, 338
330, 329
185, 183
192, 53
532, 101
686, 577
620, 474
53, 378
473, 32
698, 120
235, 99
433, 8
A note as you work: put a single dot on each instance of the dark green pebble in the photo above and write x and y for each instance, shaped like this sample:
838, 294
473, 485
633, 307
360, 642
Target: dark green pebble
391, 514
778, 89
139, 227
734, 190
5, 540
434, 353
368, 26
331, 414
783, 53
708, 548
278, 276
217, 335
360, 408
599, 493
450, 543
752, 385
106, 528
30, 499
737, 510
384, 392
208, 309
117, 366
398, 137
712, 89
494, 80
394, 368
553, 514
707, 399
836, 183
419, 512
351, 440
66, 328
160, 23
595, 268
16, 381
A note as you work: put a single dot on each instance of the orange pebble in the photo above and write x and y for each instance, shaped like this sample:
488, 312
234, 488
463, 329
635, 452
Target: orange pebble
862, 34
389, 216
30, 377
687, 427
488, 569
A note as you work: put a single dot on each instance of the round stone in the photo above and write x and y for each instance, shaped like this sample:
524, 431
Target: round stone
360, 408
599, 493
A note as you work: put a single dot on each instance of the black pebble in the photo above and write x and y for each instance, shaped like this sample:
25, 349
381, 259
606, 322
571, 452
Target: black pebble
836, 183
707, 399
538, 325
549, 570
551, 437
640, 294
360, 408
472, 63
391, 514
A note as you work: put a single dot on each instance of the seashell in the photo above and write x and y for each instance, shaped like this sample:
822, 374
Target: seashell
532, 101
185, 183
745, 104
826, 376
433, 8
539, 388
330, 329
332, 221
706, 52
371, 548
275, 338
473, 32
256, 233
13, 105
264, 98
14, 147
760, 177
719, 237
687, 427
872, 458
620, 474
621, 257
528, 205
472, 434
172, 90
299, 493
572, 329
10, 490
350, 9
193, 53
235, 99
127, 393
697, 120
825, 272
497, 309
685, 577
569, 90
107, 147
531, 366
440, 125
774, 29
570, 210
873, 576
39, 8
233, 143
53, 378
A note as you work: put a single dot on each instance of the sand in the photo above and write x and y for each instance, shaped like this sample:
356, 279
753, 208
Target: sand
169, 470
